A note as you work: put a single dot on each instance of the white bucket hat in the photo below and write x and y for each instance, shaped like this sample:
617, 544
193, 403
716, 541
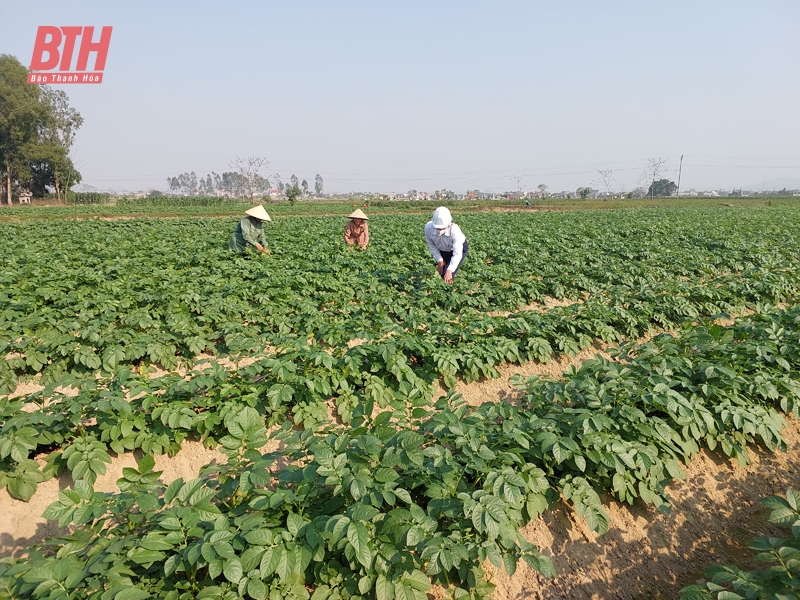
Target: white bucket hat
442, 218
258, 212
358, 214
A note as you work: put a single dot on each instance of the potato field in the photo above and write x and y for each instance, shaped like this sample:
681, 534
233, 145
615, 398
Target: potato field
143, 333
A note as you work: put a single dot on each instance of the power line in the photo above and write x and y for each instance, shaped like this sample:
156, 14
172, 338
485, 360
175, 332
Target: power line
476, 173
474, 176
741, 157
744, 166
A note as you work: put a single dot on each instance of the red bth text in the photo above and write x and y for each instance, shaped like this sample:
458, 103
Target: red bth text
55, 48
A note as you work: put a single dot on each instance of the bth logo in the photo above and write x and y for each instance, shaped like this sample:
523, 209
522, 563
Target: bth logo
48, 54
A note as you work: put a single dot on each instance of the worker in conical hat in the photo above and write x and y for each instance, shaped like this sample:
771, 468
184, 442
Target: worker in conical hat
356, 231
249, 232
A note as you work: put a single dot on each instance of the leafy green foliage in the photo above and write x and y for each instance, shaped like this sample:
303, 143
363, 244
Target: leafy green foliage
406, 495
413, 496
781, 581
625, 426
77, 306
382, 511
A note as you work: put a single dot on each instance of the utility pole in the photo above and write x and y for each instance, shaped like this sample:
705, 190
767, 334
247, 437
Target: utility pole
680, 168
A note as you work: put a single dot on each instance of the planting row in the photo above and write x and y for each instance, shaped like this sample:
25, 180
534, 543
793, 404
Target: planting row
103, 294
206, 205
130, 411
415, 495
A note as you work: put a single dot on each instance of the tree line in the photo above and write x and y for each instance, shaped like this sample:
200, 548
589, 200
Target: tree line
37, 130
248, 180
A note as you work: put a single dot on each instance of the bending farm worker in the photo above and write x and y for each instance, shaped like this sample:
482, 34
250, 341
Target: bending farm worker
447, 243
249, 232
356, 231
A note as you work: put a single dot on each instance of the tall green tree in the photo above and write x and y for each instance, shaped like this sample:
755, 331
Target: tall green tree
46, 165
662, 188
292, 191
22, 117
60, 134
37, 129
318, 184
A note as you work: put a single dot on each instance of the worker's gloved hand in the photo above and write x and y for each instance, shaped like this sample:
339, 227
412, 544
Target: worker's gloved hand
440, 267
448, 277
259, 247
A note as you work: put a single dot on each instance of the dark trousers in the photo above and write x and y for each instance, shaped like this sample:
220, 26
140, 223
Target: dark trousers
447, 257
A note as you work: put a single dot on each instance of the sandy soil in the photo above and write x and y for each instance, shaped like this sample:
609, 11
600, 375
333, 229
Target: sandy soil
647, 554
22, 524
32, 385
549, 302
499, 390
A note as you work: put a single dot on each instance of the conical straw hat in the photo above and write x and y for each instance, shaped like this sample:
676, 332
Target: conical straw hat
358, 214
258, 212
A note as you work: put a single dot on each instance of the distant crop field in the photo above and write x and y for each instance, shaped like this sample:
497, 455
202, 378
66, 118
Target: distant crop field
165, 291
209, 206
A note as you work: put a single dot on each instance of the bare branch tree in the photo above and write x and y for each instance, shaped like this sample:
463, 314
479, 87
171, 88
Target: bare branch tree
250, 169
519, 178
606, 178
654, 169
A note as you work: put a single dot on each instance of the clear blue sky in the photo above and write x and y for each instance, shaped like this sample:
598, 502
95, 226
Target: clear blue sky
380, 96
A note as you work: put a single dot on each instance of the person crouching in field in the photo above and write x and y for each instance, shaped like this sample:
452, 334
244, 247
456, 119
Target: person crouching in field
356, 231
249, 232
447, 243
